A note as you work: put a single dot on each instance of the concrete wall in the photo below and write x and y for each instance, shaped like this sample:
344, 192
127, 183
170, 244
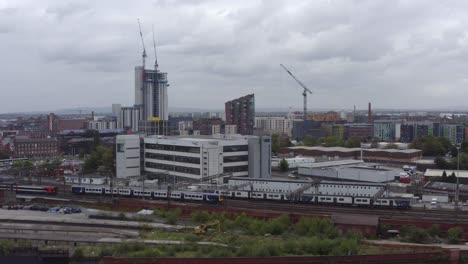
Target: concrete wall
260, 157
127, 156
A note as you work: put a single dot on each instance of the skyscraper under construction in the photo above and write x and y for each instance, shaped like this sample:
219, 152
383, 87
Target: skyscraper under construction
151, 93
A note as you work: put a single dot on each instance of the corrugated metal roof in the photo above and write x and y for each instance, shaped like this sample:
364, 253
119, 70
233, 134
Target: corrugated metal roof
438, 173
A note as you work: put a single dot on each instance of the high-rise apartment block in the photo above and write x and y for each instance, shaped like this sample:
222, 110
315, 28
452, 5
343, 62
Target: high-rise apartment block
241, 112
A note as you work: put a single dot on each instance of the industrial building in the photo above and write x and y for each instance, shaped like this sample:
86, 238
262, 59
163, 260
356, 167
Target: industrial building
375, 155
319, 187
351, 170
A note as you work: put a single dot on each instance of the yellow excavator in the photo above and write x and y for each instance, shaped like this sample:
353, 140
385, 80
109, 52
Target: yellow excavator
203, 228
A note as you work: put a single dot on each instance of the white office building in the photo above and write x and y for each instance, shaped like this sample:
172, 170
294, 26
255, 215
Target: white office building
199, 157
128, 156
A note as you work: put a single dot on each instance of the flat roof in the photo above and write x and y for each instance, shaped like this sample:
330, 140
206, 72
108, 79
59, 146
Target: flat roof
203, 138
438, 173
306, 181
343, 149
332, 163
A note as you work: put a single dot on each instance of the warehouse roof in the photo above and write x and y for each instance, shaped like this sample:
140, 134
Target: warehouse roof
438, 173
342, 149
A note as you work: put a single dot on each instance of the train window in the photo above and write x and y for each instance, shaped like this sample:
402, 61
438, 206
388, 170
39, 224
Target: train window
340, 199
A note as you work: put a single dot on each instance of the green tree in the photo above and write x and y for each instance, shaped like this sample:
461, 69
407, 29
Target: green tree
82, 154
353, 142
284, 165
444, 176
453, 235
23, 167
391, 146
310, 141
441, 163
101, 156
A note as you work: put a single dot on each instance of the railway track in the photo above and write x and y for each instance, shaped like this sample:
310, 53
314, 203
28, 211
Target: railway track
284, 207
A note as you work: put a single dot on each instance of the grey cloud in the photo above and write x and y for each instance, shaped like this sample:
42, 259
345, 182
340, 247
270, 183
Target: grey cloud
347, 52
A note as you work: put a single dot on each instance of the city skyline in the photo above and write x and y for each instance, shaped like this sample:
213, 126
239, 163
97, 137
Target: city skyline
347, 53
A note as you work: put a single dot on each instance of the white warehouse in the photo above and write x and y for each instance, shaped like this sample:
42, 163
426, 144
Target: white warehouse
200, 157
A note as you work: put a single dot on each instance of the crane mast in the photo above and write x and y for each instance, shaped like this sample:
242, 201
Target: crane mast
143, 44
155, 54
304, 93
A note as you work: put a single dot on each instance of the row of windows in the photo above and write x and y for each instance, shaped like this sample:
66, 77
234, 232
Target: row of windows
236, 169
172, 158
167, 167
344, 186
235, 159
235, 148
173, 148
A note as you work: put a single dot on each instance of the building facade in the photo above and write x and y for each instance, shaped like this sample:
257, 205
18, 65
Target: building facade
129, 118
200, 157
127, 156
241, 112
151, 93
274, 125
384, 131
35, 147
359, 130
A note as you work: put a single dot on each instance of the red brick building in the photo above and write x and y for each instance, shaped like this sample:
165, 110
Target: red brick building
35, 147
241, 112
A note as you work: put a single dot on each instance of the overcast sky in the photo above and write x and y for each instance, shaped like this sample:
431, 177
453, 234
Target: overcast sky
396, 54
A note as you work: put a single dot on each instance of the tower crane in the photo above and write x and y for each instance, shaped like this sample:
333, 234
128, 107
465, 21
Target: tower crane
304, 93
143, 44
155, 54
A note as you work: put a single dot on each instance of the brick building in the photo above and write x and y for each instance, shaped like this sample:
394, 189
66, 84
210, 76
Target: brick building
241, 112
35, 147
205, 125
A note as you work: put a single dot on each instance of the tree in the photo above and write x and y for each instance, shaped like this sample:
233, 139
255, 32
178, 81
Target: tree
284, 165
23, 167
310, 141
441, 163
101, 156
391, 146
452, 178
444, 176
82, 153
353, 142
453, 235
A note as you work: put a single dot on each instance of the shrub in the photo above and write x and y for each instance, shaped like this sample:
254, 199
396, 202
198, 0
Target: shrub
5, 247
453, 235
200, 216
415, 235
434, 230
79, 253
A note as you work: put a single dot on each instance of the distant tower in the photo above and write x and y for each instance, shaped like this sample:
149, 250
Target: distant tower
354, 114
151, 89
369, 114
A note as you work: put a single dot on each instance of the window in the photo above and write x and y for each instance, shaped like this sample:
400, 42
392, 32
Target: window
120, 147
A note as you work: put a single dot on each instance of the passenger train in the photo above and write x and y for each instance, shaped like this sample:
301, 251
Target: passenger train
214, 197
218, 196
322, 199
30, 189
